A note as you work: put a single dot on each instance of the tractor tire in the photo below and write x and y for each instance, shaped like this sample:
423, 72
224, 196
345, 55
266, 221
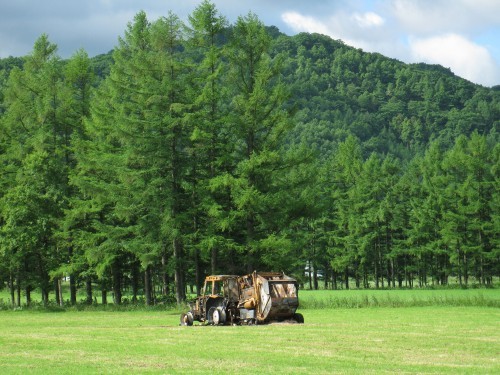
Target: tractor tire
218, 316
210, 315
187, 319
299, 318
222, 315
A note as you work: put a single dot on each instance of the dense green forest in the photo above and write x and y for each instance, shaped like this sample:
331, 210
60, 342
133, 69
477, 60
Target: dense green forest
209, 147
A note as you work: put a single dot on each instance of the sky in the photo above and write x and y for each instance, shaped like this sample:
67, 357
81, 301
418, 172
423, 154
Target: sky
463, 35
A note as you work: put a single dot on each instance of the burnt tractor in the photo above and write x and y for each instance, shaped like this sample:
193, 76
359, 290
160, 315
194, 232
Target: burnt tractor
256, 298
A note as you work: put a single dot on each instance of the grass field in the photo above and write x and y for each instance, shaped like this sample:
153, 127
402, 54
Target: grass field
318, 299
399, 298
424, 339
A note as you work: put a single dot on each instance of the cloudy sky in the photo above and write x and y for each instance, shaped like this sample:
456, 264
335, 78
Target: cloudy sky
463, 35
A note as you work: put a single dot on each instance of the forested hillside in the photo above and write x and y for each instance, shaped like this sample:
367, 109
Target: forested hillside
216, 148
391, 107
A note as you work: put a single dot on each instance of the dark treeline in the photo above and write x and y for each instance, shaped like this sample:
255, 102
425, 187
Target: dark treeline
203, 148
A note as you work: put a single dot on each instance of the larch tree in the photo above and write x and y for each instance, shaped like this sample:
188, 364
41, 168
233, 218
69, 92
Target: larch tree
346, 167
79, 80
37, 133
467, 225
258, 123
423, 240
138, 135
208, 132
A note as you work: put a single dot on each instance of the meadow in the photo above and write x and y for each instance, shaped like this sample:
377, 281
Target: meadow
422, 333
320, 299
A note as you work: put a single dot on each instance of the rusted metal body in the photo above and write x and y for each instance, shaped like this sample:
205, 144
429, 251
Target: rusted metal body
217, 303
256, 298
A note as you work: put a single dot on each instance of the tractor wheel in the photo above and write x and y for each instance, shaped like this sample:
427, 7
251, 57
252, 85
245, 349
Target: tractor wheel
222, 315
218, 316
187, 319
299, 318
210, 316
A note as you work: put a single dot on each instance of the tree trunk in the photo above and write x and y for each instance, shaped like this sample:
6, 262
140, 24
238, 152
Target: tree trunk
459, 268
18, 286
366, 284
180, 292
197, 272
135, 281
466, 269
399, 276
165, 282
12, 290
44, 282
483, 278
72, 289
57, 288
325, 277
104, 296
117, 290
88, 289
147, 286
72, 277
392, 277
28, 295
45, 295
406, 270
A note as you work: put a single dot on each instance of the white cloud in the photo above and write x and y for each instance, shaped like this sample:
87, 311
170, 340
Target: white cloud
439, 16
409, 30
351, 28
368, 20
300, 23
435, 32
463, 57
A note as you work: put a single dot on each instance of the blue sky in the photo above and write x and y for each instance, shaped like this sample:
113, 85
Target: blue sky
463, 35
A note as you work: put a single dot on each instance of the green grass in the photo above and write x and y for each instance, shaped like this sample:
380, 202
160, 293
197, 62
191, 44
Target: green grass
352, 298
431, 339
319, 299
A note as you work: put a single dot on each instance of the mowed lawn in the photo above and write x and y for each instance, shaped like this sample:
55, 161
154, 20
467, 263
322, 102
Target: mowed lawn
430, 339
